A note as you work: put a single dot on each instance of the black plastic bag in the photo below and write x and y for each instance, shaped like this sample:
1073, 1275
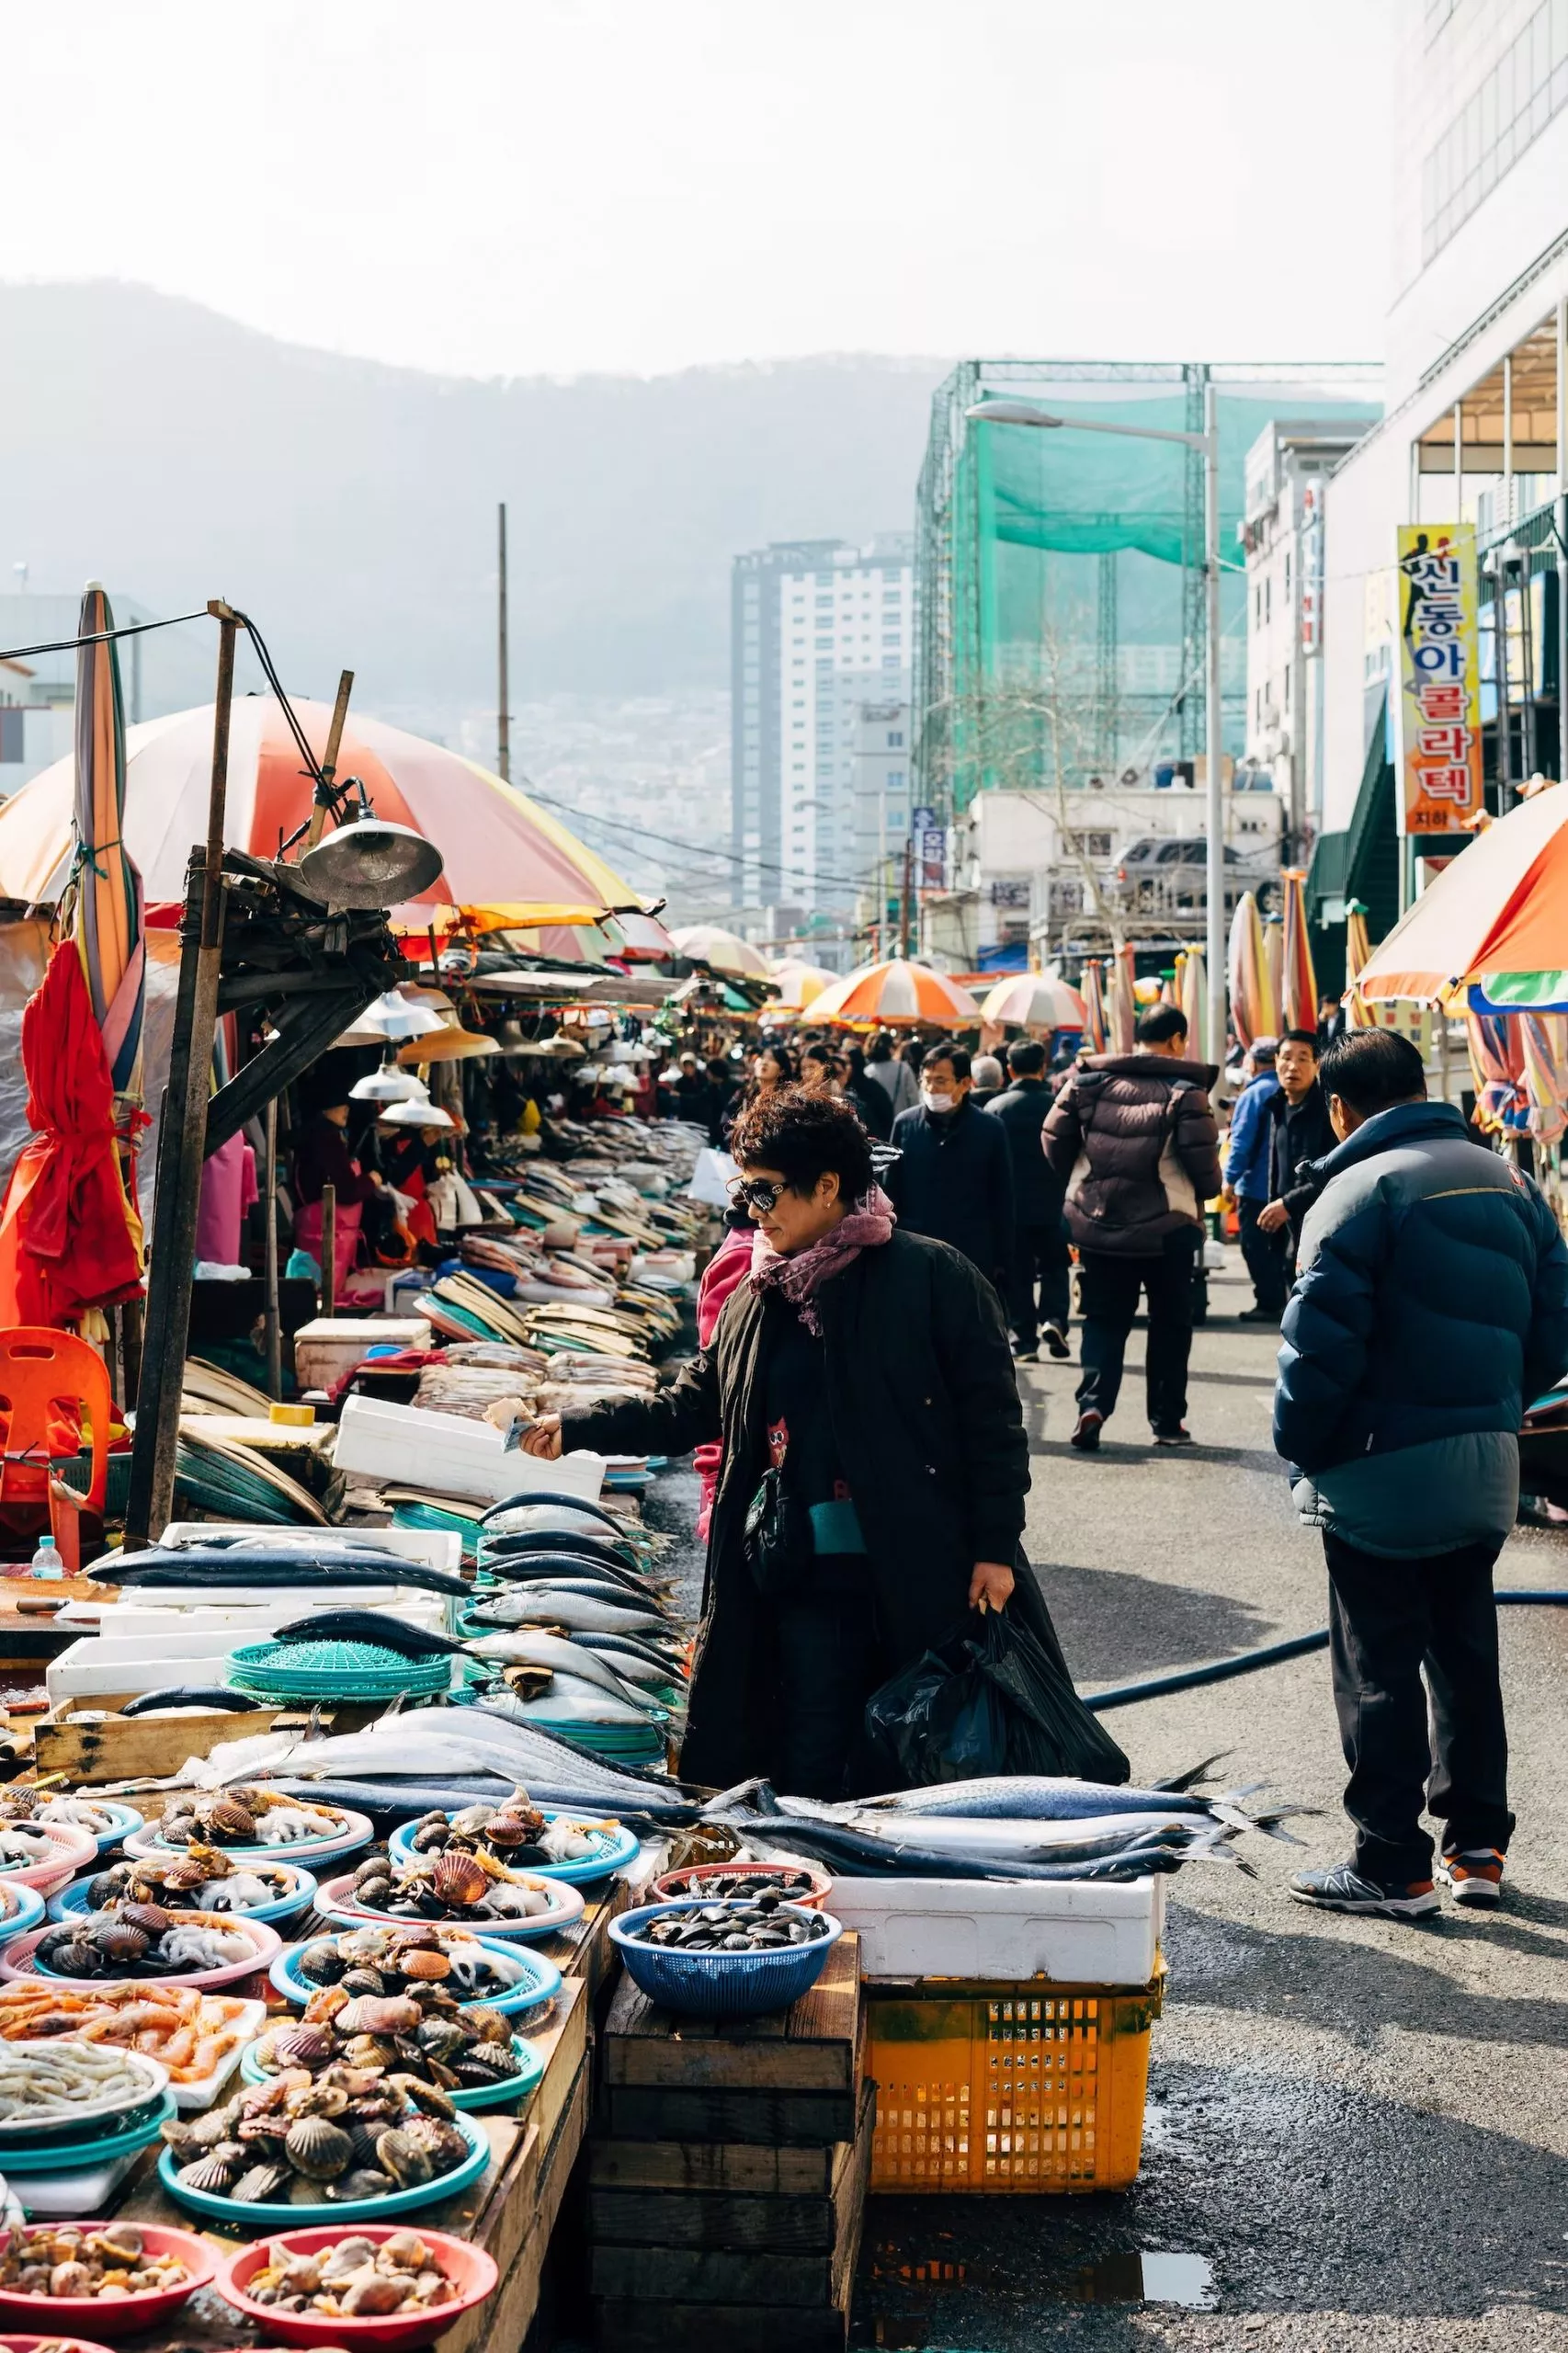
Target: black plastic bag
997, 1699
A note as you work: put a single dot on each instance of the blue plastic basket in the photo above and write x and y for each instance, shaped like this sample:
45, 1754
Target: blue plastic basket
72, 1902
721, 1984
536, 1981
24, 1908
614, 1846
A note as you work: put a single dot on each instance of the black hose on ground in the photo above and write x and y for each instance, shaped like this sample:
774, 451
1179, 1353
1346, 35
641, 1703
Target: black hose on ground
1275, 1654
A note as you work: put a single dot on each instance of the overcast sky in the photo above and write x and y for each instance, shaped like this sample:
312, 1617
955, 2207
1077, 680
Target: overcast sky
526, 186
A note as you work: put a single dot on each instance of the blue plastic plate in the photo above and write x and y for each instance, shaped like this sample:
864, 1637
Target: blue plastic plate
73, 1901
61, 2157
536, 1981
471, 2095
614, 1846
340, 2210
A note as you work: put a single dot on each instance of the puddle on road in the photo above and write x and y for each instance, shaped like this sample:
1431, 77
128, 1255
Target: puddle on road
1135, 2276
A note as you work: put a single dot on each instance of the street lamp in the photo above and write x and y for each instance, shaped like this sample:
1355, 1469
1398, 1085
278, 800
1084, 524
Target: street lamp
993, 412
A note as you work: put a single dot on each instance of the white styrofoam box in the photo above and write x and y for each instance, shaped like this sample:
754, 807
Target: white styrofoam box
237, 1622
333, 1345
84, 1672
433, 1548
450, 1455
1079, 1932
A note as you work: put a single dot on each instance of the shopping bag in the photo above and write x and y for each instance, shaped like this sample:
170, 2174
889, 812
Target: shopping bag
995, 1698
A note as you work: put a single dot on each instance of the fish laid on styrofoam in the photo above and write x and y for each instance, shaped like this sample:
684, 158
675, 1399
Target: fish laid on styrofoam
430, 1744
582, 1613
1023, 1840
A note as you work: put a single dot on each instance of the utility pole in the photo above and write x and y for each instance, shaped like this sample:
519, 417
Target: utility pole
504, 712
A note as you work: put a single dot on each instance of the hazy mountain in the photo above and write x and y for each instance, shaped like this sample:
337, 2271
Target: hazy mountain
351, 507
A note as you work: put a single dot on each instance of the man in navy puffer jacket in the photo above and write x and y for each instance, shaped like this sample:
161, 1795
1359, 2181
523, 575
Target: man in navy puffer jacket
1430, 1309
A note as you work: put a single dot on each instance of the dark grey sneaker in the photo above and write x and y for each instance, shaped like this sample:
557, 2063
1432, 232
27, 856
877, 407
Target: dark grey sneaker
1345, 1889
1056, 1341
1177, 1434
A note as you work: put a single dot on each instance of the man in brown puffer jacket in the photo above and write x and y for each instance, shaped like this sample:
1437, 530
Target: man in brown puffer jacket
1133, 1136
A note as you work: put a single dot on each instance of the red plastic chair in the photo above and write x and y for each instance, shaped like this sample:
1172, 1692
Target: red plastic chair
50, 1383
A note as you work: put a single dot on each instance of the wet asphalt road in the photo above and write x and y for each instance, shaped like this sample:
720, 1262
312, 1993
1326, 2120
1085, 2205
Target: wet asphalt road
1360, 2128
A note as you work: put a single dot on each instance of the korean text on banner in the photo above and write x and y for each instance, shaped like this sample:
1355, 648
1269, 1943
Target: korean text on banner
1440, 680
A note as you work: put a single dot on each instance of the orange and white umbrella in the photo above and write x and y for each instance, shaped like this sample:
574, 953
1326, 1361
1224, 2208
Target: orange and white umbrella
1298, 983
1034, 1001
722, 951
1358, 951
799, 983
507, 861
1496, 917
897, 995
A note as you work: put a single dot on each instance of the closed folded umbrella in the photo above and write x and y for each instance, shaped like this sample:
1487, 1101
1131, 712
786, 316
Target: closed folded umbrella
1298, 988
1094, 1006
1255, 1007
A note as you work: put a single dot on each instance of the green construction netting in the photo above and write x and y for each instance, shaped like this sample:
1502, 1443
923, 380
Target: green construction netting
1038, 519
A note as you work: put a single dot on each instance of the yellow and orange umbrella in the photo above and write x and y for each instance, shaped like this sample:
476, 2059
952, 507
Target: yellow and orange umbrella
897, 995
799, 983
1358, 949
722, 951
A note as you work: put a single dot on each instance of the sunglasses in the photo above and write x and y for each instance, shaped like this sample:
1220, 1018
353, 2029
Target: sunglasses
759, 1193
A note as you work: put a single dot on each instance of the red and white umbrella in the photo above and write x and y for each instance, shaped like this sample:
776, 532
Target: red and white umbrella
506, 862
897, 995
1034, 1001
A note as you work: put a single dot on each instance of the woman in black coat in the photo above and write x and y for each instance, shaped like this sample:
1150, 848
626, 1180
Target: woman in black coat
871, 1368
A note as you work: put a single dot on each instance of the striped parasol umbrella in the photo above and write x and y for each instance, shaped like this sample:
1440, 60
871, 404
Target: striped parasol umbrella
1298, 987
1192, 995
1544, 1038
1497, 1064
1095, 1033
507, 862
108, 914
1254, 1008
1123, 1002
1494, 921
897, 995
1034, 1001
1358, 949
710, 944
800, 983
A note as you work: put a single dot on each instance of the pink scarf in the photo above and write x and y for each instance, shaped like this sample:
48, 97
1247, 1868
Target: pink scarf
865, 1227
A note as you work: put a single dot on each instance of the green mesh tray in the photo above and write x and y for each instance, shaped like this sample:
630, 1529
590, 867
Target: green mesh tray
333, 1671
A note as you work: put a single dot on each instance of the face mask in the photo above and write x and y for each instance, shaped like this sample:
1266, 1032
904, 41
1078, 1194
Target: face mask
941, 1106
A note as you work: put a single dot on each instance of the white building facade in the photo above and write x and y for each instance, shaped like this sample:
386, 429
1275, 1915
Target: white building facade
1477, 423
822, 630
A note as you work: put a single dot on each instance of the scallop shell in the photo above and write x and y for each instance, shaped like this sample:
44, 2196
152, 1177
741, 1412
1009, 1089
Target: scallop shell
427, 1967
228, 1819
320, 1965
487, 2062
318, 2148
209, 2173
490, 2026
259, 2185
300, 2046
372, 2014
122, 1940
151, 1918
459, 1881
441, 2037
363, 1979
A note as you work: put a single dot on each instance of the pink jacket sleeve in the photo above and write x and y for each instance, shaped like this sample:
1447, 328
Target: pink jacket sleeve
724, 1273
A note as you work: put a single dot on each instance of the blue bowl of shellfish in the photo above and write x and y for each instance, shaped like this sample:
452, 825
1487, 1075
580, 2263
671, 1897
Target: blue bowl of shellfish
511, 1979
287, 1892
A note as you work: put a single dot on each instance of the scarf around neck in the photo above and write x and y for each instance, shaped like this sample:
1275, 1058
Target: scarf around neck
865, 1227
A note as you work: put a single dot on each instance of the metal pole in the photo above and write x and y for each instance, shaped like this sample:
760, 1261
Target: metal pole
1215, 888
269, 1210
504, 715
181, 1139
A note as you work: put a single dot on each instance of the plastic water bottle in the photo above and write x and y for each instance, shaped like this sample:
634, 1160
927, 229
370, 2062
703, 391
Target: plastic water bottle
47, 1562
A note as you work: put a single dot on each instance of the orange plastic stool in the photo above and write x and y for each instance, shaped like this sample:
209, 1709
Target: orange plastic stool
51, 1382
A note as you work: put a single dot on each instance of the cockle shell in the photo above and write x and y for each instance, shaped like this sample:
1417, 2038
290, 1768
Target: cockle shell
378, 2014
209, 2173
151, 1918
121, 1939
230, 1818
300, 2046
260, 2185
427, 1967
405, 2158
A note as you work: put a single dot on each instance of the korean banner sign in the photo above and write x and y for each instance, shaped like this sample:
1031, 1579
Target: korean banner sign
1440, 680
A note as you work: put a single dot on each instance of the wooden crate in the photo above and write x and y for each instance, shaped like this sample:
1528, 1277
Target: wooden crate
724, 2207
788, 2080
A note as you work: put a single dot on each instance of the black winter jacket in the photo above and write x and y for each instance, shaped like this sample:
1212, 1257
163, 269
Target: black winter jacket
955, 1183
1037, 1189
1299, 1133
927, 1425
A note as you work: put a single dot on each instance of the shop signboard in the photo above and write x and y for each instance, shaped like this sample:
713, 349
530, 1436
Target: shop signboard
930, 850
1439, 705
1312, 567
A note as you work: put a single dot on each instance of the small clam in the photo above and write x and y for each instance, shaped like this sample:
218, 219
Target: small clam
363, 1979
373, 2293
405, 2158
318, 2148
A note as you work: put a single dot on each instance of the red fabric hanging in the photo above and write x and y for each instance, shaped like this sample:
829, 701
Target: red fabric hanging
69, 1240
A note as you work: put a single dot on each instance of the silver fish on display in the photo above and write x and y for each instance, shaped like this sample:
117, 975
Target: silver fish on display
563, 1658
583, 1613
1037, 1798
567, 1702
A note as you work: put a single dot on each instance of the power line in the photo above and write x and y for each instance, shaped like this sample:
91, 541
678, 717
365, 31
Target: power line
101, 637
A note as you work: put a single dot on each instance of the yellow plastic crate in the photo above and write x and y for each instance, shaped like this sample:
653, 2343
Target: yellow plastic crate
1036, 2087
